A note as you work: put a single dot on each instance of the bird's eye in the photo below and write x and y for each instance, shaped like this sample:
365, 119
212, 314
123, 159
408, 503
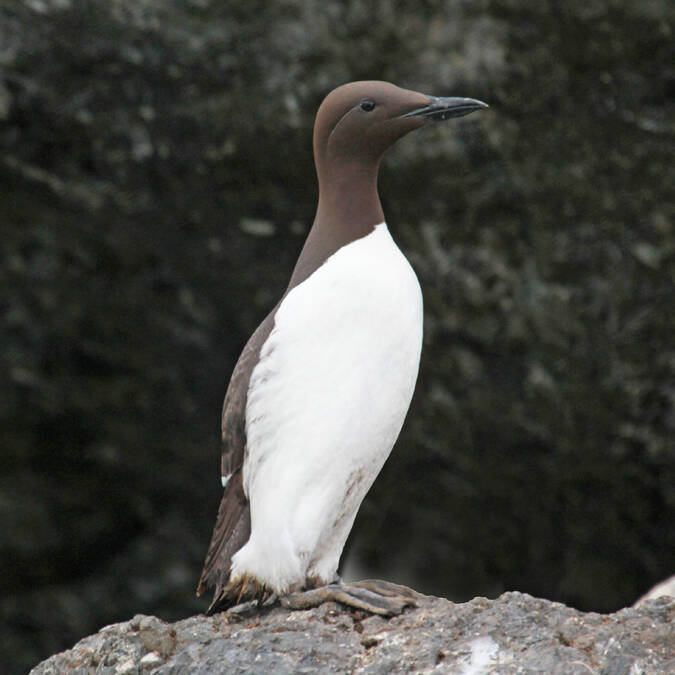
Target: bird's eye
367, 104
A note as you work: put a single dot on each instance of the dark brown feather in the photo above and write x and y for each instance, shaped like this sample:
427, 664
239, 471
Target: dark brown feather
233, 523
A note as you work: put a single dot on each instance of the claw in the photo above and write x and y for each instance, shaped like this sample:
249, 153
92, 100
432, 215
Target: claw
244, 585
260, 596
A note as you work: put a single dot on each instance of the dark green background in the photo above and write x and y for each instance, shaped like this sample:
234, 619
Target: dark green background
156, 183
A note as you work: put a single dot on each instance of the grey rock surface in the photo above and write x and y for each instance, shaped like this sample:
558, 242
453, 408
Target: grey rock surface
515, 633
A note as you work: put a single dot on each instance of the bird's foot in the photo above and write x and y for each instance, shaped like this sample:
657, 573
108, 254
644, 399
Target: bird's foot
371, 595
240, 594
253, 606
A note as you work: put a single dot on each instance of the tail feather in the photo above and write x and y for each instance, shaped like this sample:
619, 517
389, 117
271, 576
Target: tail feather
231, 532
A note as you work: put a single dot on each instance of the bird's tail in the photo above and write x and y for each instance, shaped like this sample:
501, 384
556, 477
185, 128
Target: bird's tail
231, 532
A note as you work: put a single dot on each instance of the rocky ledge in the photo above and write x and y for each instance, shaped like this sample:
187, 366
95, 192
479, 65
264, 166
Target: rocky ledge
515, 633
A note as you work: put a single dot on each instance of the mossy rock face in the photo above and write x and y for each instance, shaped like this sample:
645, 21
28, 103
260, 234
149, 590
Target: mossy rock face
157, 183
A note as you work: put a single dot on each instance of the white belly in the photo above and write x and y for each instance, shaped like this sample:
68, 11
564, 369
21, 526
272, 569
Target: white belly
326, 403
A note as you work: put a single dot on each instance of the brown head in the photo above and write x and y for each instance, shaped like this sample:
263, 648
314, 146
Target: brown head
354, 127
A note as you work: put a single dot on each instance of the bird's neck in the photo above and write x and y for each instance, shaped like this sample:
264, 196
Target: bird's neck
349, 208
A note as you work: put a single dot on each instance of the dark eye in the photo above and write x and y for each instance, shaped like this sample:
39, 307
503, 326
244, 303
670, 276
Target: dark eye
367, 104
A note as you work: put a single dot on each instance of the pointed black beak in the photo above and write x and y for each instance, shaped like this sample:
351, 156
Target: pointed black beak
444, 108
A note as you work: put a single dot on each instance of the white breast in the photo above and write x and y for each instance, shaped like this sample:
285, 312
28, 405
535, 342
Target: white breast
325, 404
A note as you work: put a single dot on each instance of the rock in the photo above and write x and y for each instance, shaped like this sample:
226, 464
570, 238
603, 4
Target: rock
665, 588
514, 633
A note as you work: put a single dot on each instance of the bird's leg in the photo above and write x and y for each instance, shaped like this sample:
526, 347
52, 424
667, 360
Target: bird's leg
371, 595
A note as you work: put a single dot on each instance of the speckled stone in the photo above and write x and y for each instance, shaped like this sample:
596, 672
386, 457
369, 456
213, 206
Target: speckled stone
514, 634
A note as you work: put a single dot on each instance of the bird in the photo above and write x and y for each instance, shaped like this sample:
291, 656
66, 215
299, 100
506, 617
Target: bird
320, 391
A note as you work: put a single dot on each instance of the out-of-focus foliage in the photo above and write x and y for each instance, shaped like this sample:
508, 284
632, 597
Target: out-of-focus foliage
156, 183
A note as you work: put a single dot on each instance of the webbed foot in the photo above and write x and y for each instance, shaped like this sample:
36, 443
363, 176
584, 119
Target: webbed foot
371, 595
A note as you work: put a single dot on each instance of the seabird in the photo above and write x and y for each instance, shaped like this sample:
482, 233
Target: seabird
321, 389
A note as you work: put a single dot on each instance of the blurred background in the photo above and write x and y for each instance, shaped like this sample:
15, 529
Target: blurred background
156, 185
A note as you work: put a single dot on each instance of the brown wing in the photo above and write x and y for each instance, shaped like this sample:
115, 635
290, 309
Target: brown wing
233, 523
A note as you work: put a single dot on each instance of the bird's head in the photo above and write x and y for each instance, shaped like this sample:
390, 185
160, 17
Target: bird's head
359, 121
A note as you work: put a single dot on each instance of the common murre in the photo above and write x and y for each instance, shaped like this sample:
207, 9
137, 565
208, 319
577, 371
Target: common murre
321, 389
